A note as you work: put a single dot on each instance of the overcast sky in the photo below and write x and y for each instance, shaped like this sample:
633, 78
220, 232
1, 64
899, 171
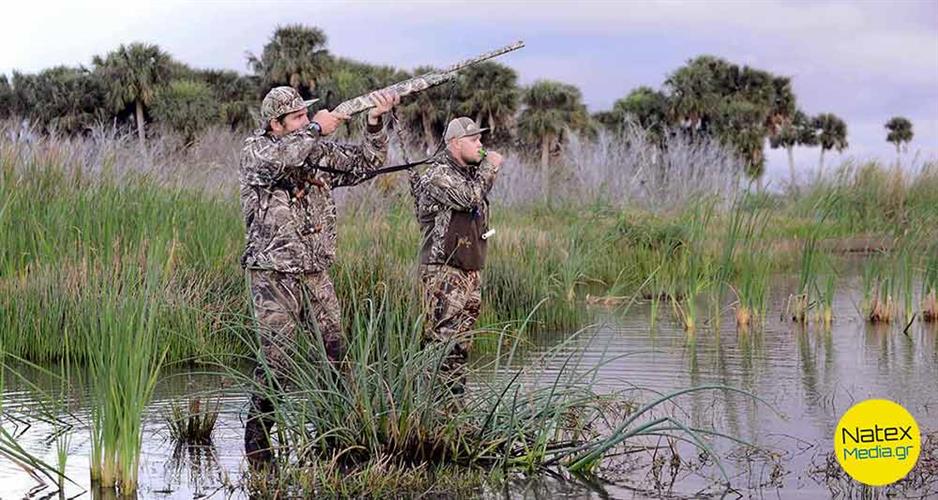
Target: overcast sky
865, 61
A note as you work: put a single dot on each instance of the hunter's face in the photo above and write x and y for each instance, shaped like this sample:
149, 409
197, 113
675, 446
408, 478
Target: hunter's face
470, 148
291, 121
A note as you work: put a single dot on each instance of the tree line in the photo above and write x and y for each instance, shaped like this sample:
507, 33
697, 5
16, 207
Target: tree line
139, 84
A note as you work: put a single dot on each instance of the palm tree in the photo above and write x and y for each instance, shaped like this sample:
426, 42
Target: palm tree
489, 94
236, 93
348, 79
831, 134
551, 110
134, 73
783, 106
900, 131
648, 107
296, 55
696, 90
798, 131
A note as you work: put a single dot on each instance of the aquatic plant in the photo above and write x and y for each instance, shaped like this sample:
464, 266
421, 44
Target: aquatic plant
192, 422
389, 405
930, 286
879, 290
123, 365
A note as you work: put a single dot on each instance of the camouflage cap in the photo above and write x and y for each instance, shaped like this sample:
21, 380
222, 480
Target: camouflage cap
461, 127
280, 101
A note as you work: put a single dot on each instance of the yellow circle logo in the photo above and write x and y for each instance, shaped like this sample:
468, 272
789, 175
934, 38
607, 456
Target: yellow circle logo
877, 442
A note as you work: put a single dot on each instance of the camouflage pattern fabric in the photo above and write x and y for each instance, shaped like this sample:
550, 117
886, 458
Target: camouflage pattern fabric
285, 303
452, 299
445, 187
288, 207
281, 101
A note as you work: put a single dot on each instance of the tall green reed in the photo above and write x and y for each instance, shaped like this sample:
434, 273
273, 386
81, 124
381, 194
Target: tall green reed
124, 364
694, 271
879, 304
930, 286
812, 259
750, 267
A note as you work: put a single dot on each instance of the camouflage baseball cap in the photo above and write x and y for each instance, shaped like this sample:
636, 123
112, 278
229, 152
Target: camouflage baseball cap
280, 101
461, 127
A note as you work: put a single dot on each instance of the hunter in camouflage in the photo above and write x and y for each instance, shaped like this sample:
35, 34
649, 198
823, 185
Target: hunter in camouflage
452, 209
287, 175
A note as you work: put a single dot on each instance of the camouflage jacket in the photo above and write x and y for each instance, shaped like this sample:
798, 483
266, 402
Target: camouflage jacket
452, 209
288, 208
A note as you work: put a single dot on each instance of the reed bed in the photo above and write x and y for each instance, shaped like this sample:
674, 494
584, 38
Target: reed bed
124, 362
110, 198
387, 406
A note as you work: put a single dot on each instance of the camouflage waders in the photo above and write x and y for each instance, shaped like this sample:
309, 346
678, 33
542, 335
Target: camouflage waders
452, 299
285, 305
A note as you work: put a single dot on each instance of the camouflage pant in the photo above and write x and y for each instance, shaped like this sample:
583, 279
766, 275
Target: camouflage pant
285, 304
452, 299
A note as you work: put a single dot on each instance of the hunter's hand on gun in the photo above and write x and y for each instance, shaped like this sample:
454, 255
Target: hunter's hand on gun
383, 100
329, 121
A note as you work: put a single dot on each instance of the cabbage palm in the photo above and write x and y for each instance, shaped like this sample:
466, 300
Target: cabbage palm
490, 95
425, 112
296, 55
6, 97
551, 109
695, 91
134, 74
186, 106
648, 107
832, 134
798, 131
900, 131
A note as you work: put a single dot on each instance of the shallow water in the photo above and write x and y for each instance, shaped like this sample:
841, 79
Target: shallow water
810, 376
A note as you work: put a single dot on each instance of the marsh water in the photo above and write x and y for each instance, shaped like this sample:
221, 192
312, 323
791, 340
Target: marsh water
806, 377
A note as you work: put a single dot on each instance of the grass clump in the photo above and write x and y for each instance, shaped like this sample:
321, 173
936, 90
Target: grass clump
123, 366
192, 422
879, 305
388, 407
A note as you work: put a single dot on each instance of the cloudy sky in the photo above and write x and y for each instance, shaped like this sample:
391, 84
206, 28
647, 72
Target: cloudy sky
864, 60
